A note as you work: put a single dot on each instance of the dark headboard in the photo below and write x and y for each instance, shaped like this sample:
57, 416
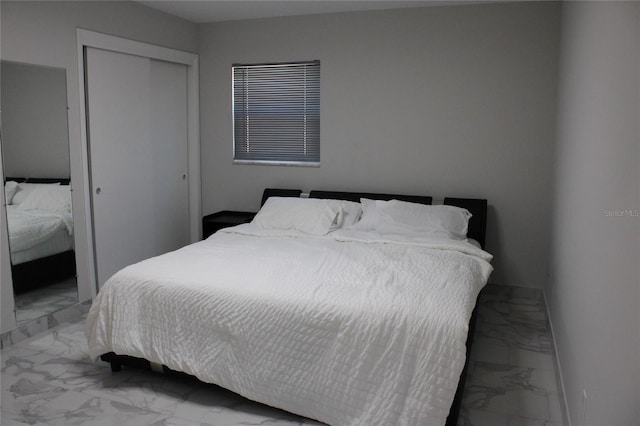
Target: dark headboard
62, 181
478, 222
476, 206
355, 196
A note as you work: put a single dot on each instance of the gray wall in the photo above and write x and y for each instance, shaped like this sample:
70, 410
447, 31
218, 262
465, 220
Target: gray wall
441, 101
44, 33
594, 291
35, 139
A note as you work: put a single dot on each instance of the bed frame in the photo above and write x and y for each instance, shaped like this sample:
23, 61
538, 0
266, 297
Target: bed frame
477, 231
45, 270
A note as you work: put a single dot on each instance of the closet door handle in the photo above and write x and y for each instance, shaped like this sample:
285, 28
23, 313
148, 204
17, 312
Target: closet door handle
98, 190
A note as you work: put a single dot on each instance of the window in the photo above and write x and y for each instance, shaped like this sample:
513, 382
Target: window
276, 113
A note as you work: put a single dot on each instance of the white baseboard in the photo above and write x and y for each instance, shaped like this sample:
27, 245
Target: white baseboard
563, 400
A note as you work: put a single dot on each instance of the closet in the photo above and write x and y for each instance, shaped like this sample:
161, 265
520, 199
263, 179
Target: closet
137, 126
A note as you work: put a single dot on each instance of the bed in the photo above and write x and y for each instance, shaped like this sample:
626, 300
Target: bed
360, 322
40, 228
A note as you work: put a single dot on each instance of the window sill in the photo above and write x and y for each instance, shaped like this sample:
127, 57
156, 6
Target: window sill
278, 163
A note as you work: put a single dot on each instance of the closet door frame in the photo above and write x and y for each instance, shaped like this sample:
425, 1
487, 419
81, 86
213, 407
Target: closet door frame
86, 38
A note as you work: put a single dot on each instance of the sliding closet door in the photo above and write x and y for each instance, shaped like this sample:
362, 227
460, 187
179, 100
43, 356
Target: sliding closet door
170, 155
137, 128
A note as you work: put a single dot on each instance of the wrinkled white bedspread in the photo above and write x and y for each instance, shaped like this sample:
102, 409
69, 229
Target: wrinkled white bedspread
28, 228
348, 329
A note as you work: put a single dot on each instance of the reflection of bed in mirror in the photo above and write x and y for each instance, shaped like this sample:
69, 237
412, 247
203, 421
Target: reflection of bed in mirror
40, 231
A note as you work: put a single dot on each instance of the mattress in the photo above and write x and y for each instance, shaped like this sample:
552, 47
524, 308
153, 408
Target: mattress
351, 328
34, 234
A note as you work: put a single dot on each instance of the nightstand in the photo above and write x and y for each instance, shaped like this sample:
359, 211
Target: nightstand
223, 219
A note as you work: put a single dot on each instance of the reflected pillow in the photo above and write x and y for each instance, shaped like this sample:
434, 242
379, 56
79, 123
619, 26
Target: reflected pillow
10, 189
24, 189
54, 198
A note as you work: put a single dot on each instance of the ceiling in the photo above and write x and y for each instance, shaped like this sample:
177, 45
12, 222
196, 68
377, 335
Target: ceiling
204, 11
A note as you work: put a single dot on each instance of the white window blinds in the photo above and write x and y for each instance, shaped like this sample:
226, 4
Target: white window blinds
276, 113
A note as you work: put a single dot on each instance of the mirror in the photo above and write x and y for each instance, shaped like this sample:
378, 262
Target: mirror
35, 148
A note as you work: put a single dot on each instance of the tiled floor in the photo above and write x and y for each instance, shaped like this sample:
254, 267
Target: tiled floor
512, 377
49, 380
42, 301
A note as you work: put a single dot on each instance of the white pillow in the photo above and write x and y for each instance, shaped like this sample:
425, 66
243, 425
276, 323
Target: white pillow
442, 220
56, 198
349, 214
368, 217
310, 215
24, 189
10, 188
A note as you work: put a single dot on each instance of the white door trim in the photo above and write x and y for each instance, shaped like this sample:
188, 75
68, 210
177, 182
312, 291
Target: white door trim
86, 38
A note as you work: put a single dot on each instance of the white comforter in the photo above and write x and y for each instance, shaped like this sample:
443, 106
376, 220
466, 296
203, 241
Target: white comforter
31, 228
348, 329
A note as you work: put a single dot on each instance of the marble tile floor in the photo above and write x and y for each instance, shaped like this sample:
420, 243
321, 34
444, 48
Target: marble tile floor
512, 378
42, 301
48, 380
